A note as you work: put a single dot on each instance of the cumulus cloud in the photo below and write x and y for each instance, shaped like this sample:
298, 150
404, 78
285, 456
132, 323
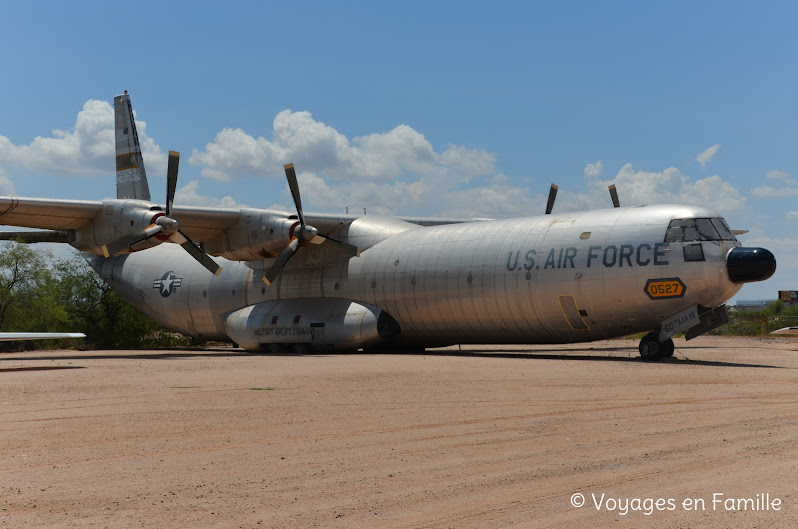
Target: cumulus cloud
592, 170
705, 157
397, 172
85, 149
394, 172
318, 148
189, 195
792, 215
400, 172
6, 185
670, 186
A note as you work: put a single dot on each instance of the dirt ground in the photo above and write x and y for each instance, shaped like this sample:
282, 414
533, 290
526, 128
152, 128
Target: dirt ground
484, 437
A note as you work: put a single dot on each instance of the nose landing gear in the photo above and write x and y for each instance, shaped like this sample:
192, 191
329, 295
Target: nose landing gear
651, 349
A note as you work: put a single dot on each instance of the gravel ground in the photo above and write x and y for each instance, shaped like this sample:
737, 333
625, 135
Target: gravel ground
480, 437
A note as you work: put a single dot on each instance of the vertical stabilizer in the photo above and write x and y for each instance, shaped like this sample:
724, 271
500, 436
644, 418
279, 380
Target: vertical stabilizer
131, 180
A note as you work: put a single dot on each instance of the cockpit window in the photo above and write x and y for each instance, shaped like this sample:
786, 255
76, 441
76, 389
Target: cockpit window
723, 229
688, 230
706, 231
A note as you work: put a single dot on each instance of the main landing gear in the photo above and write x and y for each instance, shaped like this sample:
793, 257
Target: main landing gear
651, 349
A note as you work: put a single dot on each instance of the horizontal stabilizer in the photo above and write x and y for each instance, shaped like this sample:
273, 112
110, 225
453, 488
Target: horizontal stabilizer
787, 330
12, 336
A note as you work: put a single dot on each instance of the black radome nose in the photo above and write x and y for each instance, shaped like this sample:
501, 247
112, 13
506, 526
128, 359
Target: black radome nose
746, 265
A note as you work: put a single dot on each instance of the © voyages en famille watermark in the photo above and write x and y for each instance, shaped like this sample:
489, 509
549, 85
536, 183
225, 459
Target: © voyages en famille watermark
760, 502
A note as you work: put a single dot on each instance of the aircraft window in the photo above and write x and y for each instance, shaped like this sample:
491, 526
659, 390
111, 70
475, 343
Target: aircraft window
676, 230
690, 233
687, 230
706, 230
693, 252
723, 229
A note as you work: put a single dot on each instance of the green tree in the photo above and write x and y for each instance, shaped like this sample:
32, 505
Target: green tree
26, 291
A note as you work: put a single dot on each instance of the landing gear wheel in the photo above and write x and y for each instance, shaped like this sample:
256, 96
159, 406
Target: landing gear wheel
651, 349
667, 348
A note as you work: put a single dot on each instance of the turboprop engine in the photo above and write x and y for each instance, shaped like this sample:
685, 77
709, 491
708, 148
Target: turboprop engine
310, 324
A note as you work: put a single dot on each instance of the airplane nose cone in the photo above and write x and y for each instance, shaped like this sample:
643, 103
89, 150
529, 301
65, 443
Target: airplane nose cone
746, 265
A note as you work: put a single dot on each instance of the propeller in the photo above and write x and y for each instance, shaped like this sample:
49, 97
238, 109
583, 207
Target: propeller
302, 233
614, 194
552, 196
166, 226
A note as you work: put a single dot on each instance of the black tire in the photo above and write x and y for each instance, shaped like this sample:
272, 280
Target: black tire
667, 348
650, 347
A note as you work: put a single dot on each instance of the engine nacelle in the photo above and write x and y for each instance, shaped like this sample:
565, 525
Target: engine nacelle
118, 218
322, 324
258, 234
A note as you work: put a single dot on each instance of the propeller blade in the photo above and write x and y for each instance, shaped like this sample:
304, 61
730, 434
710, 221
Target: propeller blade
290, 173
201, 257
278, 265
123, 243
171, 180
340, 247
614, 194
552, 196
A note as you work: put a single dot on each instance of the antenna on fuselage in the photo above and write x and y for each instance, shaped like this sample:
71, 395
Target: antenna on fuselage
552, 196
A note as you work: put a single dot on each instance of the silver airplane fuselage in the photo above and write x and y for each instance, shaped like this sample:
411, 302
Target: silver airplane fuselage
562, 278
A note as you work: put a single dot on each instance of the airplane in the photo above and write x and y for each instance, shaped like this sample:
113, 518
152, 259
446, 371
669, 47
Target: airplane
271, 280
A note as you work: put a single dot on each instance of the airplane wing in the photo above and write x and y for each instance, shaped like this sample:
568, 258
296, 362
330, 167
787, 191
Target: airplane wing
204, 223
201, 223
48, 214
13, 336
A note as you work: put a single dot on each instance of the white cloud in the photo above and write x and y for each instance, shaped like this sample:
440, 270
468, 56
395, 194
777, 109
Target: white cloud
318, 148
777, 192
6, 185
784, 177
592, 170
705, 157
400, 173
670, 186
85, 149
395, 172
792, 215
773, 192
775, 174
189, 195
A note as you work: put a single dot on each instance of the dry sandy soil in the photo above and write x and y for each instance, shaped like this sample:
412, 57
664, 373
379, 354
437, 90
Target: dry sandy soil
483, 437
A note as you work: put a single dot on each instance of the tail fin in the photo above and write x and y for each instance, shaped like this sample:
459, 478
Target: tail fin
131, 180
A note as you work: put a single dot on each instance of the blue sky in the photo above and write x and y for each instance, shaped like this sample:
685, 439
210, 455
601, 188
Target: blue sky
417, 108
